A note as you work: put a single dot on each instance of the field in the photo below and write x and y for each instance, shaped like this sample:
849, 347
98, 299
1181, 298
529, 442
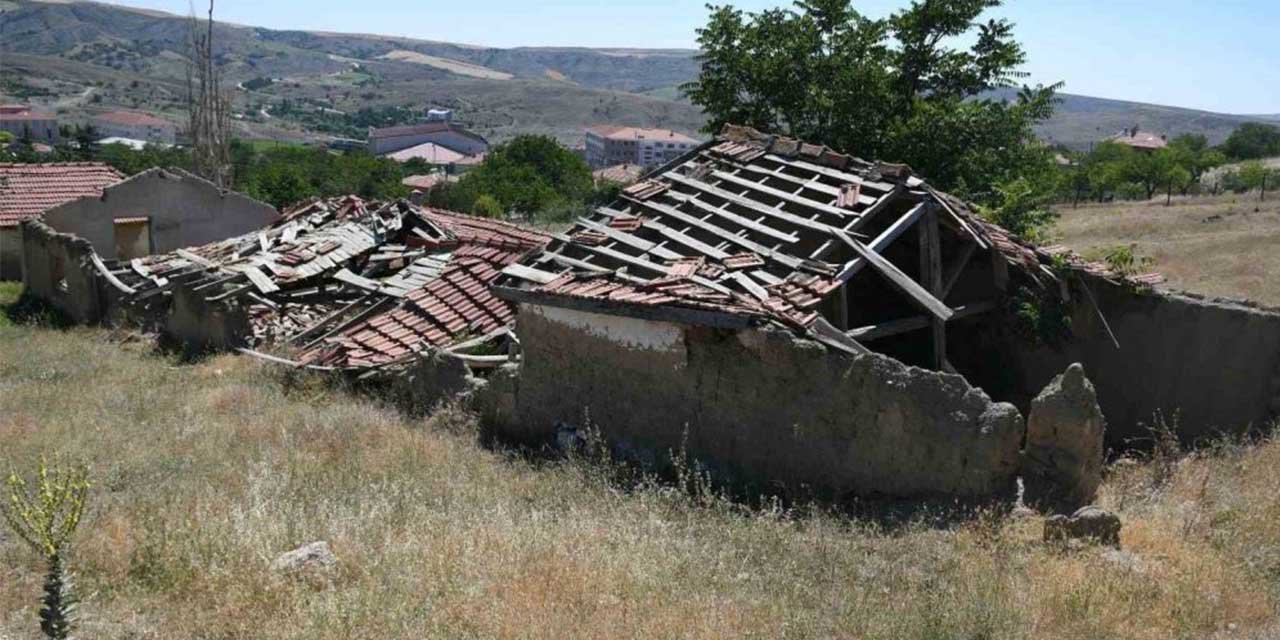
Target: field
205, 472
1221, 246
454, 66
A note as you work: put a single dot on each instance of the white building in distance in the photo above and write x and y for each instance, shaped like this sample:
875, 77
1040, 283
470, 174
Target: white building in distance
609, 145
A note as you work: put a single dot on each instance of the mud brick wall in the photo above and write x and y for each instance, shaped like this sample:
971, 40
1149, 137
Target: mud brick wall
56, 268
759, 408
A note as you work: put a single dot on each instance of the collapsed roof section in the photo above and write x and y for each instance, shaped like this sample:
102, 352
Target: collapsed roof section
332, 273
751, 229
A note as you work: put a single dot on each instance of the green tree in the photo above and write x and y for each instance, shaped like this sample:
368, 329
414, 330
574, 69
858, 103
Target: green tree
530, 174
889, 88
487, 206
1253, 140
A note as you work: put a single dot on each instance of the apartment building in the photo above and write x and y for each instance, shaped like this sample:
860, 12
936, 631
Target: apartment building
609, 145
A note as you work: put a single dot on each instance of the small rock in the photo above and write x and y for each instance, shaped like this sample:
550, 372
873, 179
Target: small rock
1088, 523
316, 554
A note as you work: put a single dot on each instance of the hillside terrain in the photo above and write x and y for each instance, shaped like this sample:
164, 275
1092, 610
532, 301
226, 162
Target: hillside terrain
1220, 246
79, 57
82, 57
204, 472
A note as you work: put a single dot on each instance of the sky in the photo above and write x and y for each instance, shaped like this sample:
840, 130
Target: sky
1217, 55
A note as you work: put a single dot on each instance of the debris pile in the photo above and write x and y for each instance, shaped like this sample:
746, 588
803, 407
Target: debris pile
351, 284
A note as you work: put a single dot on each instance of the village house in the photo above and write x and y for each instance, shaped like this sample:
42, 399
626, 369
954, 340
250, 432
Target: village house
1144, 141
609, 145
157, 211
442, 140
795, 317
131, 125
28, 190
30, 126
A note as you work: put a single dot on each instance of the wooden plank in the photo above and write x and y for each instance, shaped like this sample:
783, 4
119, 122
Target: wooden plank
746, 243
679, 236
529, 273
901, 280
797, 200
830, 335
345, 275
748, 203
742, 221
665, 313
778, 173
931, 280
616, 255
915, 323
260, 280
829, 172
631, 240
110, 277
956, 269
883, 240
750, 285
867, 215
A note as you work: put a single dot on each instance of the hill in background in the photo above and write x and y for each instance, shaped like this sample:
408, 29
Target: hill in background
82, 57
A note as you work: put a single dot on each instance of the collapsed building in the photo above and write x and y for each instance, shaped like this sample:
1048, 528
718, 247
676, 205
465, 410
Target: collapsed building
793, 318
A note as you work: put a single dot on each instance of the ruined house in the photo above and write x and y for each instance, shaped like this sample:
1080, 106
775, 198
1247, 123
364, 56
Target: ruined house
799, 318
157, 211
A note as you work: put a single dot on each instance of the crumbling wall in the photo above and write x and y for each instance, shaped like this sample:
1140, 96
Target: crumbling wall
183, 211
1213, 363
198, 325
759, 408
56, 268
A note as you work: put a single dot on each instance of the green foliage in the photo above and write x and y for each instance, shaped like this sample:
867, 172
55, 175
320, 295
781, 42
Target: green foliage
530, 174
1114, 170
1253, 174
46, 517
1253, 140
1040, 316
487, 206
282, 176
1125, 260
890, 88
1022, 207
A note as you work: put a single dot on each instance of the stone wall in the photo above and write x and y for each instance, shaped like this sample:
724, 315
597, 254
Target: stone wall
56, 268
759, 408
1213, 363
183, 211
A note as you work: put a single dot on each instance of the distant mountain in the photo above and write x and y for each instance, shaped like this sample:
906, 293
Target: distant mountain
80, 57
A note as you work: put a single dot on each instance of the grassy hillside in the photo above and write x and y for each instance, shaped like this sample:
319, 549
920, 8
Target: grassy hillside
1223, 246
203, 473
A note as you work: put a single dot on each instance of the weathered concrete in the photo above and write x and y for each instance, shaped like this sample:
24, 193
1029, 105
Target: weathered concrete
758, 408
56, 268
1213, 363
183, 210
201, 326
1062, 463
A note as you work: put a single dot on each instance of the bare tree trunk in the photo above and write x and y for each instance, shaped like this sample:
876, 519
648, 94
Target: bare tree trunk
208, 108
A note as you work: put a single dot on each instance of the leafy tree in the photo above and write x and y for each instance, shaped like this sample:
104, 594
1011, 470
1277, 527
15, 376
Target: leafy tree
487, 206
1253, 140
892, 88
529, 174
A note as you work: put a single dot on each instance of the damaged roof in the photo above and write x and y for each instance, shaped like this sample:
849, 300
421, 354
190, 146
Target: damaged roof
353, 284
753, 228
28, 190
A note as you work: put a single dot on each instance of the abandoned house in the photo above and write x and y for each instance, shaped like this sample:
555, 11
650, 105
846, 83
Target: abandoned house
792, 318
28, 190
157, 211
760, 301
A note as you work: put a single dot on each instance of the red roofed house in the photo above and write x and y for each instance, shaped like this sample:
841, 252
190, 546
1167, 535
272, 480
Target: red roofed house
28, 190
440, 133
26, 124
135, 126
1140, 140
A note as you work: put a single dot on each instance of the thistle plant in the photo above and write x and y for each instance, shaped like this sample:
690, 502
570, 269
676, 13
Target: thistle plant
45, 517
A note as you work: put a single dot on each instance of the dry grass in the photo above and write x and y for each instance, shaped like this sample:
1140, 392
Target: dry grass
204, 473
1222, 246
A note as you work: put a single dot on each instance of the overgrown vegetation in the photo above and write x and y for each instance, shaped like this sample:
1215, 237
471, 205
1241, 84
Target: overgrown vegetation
45, 516
530, 176
207, 472
893, 89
